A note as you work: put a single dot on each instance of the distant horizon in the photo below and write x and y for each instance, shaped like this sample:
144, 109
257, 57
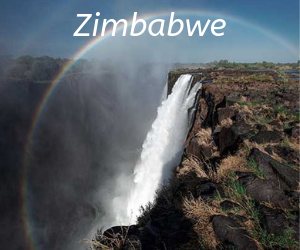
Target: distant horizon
145, 62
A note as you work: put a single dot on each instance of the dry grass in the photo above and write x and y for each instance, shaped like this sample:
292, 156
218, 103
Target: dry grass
232, 163
194, 165
114, 241
256, 114
191, 165
226, 123
200, 212
95, 245
204, 136
244, 108
261, 146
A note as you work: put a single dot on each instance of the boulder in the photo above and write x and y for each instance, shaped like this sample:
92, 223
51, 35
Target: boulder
263, 161
242, 128
282, 175
228, 205
286, 174
288, 154
224, 113
229, 139
207, 188
201, 151
242, 116
215, 135
121, 230
274, 220
267, 137
230, 231
265, 191
261, 127
237, 217
189, 184
232, 98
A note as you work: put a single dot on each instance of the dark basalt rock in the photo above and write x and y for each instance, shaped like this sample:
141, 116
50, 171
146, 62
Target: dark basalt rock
260, 127
216, 133
293, 131
210, 106
190, 185
206, 189
232, 98
265, 191
245, 174
228, 205
242, 128
274, 220
122, 230
288, 175
238, 218
202, 152
282, 175
224, 113
163, 231
242, 116
286, 153
263, 161
149, 240
229, 139
166, 230
267, 137
231, 232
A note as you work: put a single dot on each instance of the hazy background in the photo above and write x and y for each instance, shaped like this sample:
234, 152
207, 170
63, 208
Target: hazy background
90, 134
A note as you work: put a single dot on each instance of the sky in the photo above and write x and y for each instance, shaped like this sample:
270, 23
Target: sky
255, 30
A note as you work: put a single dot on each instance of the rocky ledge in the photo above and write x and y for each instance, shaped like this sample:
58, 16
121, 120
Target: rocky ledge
237, 186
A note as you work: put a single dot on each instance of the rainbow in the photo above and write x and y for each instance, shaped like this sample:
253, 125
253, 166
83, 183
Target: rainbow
25, 210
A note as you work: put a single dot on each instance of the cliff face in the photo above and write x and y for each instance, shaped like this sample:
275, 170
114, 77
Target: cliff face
238, 182
244, 142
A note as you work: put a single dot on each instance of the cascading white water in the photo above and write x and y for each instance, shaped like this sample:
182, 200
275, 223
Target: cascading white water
162, 148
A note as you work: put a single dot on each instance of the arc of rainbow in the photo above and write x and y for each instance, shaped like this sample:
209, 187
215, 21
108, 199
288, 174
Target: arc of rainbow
79, 54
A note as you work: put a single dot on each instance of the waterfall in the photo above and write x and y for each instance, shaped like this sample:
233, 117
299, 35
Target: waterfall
162, 148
